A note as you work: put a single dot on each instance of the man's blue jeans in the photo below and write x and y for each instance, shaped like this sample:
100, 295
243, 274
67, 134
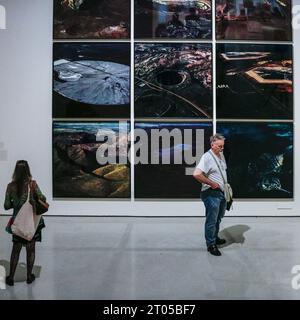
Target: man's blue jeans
215, 207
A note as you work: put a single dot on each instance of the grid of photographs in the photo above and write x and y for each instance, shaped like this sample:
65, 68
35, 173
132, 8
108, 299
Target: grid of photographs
91, 99
173, 71
254, 96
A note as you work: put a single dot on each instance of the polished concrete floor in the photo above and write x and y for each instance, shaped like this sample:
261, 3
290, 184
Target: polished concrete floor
158, 258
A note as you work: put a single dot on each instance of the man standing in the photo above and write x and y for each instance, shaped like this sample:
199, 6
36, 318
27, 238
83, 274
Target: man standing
211, 172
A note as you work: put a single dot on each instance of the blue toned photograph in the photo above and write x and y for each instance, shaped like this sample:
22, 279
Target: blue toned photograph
259, 158
168, 179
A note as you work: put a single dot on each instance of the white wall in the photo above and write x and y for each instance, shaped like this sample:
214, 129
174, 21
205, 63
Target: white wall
26, 120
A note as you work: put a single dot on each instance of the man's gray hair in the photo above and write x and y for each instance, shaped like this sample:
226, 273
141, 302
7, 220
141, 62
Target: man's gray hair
216, 137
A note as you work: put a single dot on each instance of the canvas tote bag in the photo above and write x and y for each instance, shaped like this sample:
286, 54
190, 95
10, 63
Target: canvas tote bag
228, 193
26, 221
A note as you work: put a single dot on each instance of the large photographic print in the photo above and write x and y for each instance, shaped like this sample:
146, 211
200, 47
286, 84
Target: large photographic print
166, 176
254, 81
173, 80
91, 80
265, 20
91, 19
183, 19
259, 158
77, 171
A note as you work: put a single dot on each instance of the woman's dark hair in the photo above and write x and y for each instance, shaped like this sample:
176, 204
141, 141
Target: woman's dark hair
21, 175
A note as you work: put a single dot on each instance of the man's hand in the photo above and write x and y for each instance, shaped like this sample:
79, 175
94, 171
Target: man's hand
215, 185
199, 176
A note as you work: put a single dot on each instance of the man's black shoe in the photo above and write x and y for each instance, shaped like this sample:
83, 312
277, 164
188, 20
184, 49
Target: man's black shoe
220, 241
213, 249
9, 281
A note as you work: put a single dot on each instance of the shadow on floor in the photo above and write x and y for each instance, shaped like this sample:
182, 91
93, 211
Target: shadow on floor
21, 272
234, 234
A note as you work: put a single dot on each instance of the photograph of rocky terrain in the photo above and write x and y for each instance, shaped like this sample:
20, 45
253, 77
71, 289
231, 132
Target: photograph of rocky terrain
181, 19
173, 80
91, 80
91, 19
77, 172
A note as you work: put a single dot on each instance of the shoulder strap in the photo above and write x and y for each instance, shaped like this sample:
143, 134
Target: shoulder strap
28, 191
32, 185
218, 166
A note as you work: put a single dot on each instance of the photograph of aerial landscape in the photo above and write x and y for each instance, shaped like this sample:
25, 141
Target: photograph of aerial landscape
181, 19
265, 20
77, 172
254, 81
91, 80
91, 19
173, 80
167, 178
259, 158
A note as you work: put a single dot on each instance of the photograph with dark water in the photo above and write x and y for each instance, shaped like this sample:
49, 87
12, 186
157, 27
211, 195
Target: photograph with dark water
91, 19
173, 80
259, 158
264, 20
78, 148
91, 80
180, 19
254, 81
167, 172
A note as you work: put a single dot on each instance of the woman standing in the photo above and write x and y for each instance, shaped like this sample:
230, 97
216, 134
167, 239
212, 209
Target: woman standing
16, 196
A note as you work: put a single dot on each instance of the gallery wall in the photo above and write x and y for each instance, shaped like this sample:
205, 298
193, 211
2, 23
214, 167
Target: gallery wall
26, 128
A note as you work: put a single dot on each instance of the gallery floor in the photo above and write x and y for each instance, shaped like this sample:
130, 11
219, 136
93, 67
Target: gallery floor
158, 258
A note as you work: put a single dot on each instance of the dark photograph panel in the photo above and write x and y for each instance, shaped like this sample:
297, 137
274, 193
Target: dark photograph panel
169, 179
254, 81
76, 171
91, 19
263, 20
181, 19
259, 159
91, 80
173, 80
